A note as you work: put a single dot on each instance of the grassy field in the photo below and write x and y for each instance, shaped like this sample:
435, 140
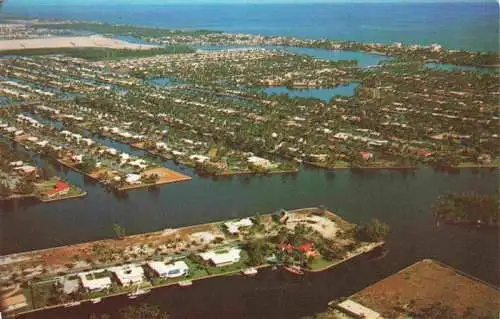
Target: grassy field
426, 283
97, 54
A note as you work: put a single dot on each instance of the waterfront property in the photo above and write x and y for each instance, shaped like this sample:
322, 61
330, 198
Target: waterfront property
310, 239
169, 270
97, 280
128, 275
221, 258
233, 227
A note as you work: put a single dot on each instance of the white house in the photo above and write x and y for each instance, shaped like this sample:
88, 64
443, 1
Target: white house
234, 227
259, 161
222, 258
173, 270
199, 158
91, 283
129, 274
133, 179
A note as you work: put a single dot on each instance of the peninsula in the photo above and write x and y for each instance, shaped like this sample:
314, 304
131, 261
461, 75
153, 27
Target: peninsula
310, 239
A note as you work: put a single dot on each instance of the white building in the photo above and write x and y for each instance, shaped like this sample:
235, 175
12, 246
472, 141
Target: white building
130, 274
133, 179
259, 161
91, 283
173, 270
222, 258
234, 227
358, 311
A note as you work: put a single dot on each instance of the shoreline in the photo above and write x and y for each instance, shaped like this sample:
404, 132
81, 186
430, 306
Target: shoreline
234, 272
40, 255
130, 187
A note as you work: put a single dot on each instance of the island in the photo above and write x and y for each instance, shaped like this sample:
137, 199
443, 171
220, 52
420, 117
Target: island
467, 209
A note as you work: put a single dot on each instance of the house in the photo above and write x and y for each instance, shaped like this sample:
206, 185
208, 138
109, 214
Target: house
308, 249
259, 161
18, 163
356, 310
234, 227
222, 258
173, 270
61, 188
77, 158
366, 155
91, 283
199, 158
25, 170
12, 303
133, 179
129, 274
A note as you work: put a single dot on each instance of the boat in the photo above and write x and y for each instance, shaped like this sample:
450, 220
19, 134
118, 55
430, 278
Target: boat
294, 270
72, 304
137, 293
185, 283
250, 271
96, 300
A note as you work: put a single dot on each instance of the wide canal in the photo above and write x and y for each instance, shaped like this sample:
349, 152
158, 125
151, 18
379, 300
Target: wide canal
402, 199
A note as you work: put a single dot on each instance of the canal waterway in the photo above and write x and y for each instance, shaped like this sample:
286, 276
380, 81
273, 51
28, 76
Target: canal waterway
324, 94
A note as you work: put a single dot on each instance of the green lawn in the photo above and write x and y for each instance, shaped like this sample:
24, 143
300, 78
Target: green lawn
320, 263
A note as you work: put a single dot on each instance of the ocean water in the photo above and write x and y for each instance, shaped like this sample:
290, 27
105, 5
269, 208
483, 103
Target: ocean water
472, 26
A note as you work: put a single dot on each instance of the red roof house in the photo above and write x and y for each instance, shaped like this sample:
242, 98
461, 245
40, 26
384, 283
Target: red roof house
61, 188
366, 155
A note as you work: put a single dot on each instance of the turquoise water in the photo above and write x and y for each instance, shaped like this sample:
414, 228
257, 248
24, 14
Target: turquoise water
324, 94
455, 25
364, 59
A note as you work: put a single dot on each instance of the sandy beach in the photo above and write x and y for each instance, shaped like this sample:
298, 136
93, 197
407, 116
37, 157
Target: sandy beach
94, 41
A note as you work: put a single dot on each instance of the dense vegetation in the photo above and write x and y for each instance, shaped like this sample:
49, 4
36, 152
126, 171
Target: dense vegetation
467, 207
95, 54
373, 231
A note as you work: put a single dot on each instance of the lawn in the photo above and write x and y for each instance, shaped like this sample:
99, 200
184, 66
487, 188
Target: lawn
320, 263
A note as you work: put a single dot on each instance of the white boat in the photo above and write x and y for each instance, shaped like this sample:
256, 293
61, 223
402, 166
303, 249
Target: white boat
137, 293
185, 283
96, 300
72, 304
250, 271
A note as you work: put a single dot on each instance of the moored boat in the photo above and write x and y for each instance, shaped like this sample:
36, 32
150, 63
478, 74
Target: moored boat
185, 283
72, 304
250, 271
294, 270
96, 300
137, 293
